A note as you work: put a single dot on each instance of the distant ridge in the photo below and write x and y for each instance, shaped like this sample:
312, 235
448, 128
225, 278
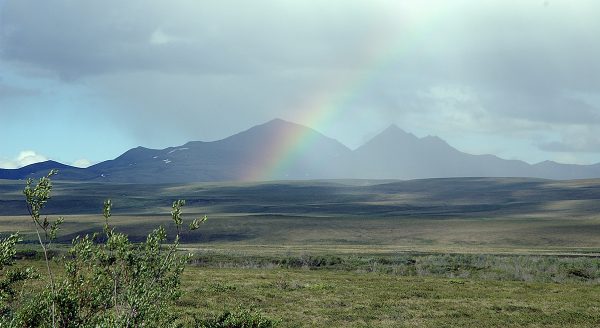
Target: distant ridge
37, 169
252, 155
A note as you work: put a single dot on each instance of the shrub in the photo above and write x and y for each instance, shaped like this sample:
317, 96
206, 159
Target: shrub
106, 283
11, 278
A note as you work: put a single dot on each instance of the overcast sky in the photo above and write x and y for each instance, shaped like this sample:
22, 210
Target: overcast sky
83, 81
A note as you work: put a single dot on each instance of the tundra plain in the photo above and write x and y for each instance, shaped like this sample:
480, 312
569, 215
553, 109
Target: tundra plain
436, 252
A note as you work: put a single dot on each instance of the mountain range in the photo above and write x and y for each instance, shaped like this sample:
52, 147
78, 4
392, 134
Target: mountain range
259, 153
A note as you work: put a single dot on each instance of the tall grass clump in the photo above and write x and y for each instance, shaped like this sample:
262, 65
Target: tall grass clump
536, 268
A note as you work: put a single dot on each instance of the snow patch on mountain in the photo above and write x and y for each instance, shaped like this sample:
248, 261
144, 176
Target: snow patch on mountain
177, 149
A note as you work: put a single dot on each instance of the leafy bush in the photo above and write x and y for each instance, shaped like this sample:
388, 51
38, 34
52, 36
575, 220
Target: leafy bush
11, 277
105, 282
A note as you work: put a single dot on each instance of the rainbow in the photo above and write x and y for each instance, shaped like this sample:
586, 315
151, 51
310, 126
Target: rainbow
332, 99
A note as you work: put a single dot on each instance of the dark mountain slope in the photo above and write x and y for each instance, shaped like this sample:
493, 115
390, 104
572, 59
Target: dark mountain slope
280, 150
244, 156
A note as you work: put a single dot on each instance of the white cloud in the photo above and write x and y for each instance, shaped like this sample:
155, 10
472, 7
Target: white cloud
83, 163
26, 157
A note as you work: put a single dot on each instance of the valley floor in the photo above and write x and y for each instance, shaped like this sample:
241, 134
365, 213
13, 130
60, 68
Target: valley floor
431, 253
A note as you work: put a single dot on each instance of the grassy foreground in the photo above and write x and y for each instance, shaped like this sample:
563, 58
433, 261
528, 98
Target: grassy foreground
401, 290
322, 298
408, 290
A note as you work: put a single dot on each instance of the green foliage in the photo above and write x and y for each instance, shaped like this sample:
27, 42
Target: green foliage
176, 213
195, 225
38, 195
176, 216
105, 282
7, 250
12, 277
36, 198
115, 284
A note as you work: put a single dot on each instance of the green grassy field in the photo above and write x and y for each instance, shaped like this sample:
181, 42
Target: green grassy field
308, 298
329, 296
429, 253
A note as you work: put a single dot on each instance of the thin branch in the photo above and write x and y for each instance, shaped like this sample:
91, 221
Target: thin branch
49, 273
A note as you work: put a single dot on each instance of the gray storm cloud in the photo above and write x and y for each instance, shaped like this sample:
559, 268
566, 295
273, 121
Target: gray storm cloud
526, 64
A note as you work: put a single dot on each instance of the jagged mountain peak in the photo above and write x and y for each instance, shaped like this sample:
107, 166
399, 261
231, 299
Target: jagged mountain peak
395, 131
390, 138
